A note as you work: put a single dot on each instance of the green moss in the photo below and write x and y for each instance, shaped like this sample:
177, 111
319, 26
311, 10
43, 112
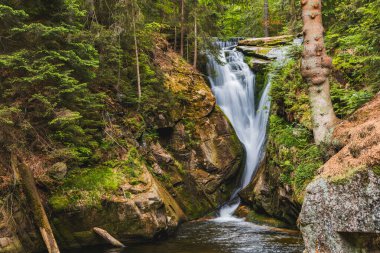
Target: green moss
347, 177
292, 150
88, 186
289, 94
262, 219
59, 202
376, 170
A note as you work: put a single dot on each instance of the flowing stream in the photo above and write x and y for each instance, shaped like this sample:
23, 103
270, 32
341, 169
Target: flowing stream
233, 84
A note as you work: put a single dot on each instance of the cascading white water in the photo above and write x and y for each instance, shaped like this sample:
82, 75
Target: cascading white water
233, 84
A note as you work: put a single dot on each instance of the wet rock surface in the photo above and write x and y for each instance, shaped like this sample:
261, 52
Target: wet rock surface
266, 194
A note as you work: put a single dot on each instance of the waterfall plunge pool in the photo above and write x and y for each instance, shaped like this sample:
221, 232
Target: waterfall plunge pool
216, 236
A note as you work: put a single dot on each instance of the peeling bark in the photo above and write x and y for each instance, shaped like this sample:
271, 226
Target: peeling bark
316, 68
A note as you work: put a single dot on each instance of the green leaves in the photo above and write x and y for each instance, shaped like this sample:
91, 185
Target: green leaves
353, 38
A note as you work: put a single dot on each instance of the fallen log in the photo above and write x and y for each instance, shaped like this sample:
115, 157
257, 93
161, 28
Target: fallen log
267, 41
38, 211
107, 237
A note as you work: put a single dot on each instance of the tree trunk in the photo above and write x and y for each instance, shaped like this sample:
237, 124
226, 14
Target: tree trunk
266, 18
195, 43
38, 211
182, 26
175, 38
316, 68
293, 15
137, 57
108, 238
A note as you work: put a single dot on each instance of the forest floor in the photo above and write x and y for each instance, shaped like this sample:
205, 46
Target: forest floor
359, 137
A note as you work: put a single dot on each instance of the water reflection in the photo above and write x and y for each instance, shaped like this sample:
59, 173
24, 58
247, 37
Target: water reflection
234, 236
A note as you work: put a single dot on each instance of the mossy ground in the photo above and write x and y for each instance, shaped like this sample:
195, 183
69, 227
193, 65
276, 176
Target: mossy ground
88, 186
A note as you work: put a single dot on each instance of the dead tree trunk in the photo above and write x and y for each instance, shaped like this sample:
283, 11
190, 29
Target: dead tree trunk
182, 26
316, 68
108, 238
38, 211
195, 43
266, 18
175, 38
137, 57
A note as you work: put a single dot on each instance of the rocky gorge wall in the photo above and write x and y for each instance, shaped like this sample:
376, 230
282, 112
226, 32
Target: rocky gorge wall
182, 172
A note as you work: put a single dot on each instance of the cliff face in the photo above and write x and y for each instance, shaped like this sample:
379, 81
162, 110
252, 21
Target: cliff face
341, 211
184, 151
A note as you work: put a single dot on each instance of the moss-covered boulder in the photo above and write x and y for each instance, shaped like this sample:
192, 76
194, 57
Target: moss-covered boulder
129, 205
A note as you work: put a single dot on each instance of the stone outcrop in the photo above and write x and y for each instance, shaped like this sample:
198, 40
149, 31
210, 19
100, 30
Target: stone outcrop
341, 209
267, 195
259, 50
200, 153
343, 214
147, 212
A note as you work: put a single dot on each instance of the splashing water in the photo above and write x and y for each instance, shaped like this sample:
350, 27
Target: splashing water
233, 84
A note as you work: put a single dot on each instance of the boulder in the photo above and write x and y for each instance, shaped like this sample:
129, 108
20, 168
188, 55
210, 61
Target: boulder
147, 212
268, 195
258, 65
342, 214
58, 170
257, 52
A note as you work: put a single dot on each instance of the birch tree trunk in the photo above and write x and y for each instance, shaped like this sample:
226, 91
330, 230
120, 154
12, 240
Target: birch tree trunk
316, 68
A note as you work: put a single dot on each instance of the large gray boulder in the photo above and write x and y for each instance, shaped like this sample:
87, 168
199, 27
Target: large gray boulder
342, 215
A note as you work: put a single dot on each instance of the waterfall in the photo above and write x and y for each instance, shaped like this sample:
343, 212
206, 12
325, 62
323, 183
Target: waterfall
233, 84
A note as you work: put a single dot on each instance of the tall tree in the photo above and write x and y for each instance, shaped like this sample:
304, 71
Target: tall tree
182, 2
266, 18
293, 15
316, 68
136, 51
195, 41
